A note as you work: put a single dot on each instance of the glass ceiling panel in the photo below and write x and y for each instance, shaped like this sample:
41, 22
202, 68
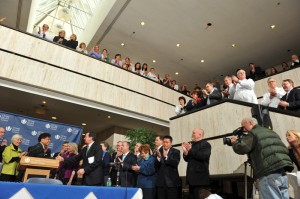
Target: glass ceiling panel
69, 15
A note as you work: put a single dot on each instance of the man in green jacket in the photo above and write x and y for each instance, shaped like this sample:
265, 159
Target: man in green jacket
269, 159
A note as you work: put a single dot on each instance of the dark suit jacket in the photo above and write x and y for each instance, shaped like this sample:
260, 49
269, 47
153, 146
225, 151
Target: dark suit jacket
1, 151
128, 162
56, 38
214, 96
258, 74
167, 173
105, 162
190, 106
93, 171
38, 151
293, 99
197, 173
71, 44
294, 159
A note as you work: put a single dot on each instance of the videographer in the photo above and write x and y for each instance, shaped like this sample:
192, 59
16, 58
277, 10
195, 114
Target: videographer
268, 158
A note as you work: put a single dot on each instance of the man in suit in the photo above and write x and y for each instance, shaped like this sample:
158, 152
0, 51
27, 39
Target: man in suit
41, 149
211, 94
128, 177
167, 160
291, 100
197, 156
91, 155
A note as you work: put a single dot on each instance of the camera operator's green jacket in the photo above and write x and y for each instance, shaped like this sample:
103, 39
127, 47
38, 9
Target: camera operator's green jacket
267, 152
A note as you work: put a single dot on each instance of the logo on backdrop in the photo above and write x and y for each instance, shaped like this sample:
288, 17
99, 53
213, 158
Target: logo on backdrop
51, 126
31, 128
34, 133
4, 117
57, 137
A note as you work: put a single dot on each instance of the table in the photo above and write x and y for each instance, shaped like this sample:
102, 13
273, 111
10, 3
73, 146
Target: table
46, 191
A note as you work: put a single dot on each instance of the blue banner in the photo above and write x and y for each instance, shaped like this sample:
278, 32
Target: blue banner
31, 128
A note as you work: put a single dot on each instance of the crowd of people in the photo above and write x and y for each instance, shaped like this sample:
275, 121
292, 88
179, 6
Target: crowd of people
255, 72
240, 88
156, 171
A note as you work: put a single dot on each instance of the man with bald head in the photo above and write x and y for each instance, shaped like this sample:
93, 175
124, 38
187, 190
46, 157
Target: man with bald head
197, 156
244, 88
3, 142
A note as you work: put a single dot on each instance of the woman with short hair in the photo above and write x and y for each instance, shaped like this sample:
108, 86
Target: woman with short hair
11, 157
146, 172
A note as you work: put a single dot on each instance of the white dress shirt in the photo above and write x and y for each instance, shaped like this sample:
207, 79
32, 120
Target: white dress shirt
152, 76
244, 91
47, 36
275, 100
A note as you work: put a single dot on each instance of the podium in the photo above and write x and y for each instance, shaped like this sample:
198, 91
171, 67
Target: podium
37, 166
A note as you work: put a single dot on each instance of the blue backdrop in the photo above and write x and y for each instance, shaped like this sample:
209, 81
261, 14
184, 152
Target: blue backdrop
31, 128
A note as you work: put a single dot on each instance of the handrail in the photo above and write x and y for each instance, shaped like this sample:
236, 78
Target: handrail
275, 110
78, 73
88, 56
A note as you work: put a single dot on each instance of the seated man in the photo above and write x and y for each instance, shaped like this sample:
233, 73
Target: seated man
244, 88
211, 94
291, 100
273, 96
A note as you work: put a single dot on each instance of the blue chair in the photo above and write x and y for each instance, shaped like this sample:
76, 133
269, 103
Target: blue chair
44, 181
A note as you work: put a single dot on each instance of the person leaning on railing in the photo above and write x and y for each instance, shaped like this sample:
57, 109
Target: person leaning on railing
291, 100
60, 39
11, 157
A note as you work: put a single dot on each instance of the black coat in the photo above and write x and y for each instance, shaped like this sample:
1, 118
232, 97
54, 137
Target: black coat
293, 99
294, 159
56, 38
72, 44
38, 151
94, 170
197, 173
128, 162
167, 173
190, 106
1, 151
215, 96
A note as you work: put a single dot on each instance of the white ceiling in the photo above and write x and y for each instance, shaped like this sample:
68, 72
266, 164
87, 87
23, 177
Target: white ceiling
168, 22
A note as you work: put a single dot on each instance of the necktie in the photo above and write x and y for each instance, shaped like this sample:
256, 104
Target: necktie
123, 157
87, 149
208, 101
44, 35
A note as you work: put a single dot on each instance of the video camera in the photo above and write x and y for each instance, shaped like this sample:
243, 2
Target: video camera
239, 132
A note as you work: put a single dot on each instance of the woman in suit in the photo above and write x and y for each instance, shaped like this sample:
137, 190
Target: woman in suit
72, 43
293, 138
146, 172
11, 157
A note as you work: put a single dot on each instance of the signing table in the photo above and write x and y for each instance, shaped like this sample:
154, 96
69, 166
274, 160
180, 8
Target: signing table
43, 191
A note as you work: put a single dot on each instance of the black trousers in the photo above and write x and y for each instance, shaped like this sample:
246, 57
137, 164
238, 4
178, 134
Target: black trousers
167, 192
148, 193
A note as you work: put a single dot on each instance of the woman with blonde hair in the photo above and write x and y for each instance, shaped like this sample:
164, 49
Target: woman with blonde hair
67, 172
293, 138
